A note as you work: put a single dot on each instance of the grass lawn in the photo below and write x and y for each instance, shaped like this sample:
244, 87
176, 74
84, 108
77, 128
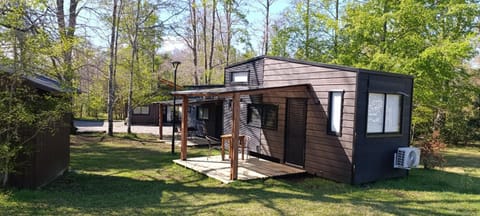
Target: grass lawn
136, 176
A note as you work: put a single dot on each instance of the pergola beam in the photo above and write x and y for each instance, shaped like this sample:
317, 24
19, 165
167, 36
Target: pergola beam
160, 121
235, 136
183, 148
235, 94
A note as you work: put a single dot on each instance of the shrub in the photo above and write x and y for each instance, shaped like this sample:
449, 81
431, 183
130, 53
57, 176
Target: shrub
431, 151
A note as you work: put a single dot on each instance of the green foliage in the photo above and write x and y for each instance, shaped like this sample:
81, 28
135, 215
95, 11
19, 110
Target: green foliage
24, 113
430, 40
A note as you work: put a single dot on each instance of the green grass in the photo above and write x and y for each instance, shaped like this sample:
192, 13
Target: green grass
132, 175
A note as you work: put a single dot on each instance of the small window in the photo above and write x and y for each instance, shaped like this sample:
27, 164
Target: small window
384, 113
335, 109
240, 77
202, 113
263, 116
142, 110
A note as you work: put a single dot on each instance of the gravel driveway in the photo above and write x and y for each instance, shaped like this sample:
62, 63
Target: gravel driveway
118, 126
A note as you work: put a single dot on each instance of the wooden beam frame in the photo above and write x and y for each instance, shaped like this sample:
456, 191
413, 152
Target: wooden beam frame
235, 94
235, 136
183, 149
160, 121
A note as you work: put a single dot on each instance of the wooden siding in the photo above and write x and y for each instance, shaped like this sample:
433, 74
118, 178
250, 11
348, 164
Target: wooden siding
327, 156
49, 158
150, 119
255, 69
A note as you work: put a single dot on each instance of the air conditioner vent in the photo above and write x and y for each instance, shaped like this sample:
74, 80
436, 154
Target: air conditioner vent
406, 158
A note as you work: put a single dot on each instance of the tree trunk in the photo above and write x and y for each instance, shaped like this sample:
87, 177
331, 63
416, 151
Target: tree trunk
228, 14
307, 31
212, 41
267, 23
335, 37
132, 68
111, 87
205, 65
67, 37
193, 19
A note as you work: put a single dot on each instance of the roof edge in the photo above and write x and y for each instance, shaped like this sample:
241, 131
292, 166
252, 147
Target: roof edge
318, 64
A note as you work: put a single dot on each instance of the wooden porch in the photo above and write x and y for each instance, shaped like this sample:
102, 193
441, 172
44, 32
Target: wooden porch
248, 169
227, 171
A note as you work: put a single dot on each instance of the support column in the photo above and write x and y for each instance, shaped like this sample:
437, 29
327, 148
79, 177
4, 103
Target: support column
235, 135
183, 153
160, 121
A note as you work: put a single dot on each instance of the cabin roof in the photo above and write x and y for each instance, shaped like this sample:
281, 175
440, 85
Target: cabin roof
197, 100
318, 64
233, 89
39, 81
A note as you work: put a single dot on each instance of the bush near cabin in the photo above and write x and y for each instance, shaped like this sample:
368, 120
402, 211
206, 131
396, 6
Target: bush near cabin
23, 108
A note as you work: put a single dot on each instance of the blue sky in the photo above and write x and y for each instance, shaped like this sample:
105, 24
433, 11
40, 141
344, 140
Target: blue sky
99, 34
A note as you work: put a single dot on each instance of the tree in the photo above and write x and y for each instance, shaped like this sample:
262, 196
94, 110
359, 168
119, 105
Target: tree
67, 37
25, 41
430, 40
312, 30
112, 65
266, 4
189, 34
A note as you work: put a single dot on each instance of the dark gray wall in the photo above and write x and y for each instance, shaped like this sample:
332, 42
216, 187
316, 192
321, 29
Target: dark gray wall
255, 69
373, 154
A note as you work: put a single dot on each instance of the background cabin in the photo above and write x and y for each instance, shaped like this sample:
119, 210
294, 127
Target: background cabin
341, 123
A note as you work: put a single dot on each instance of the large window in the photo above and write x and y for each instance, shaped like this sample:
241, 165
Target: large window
263, 116
240, 77
142, 110
335, 108
384, 113
202, 113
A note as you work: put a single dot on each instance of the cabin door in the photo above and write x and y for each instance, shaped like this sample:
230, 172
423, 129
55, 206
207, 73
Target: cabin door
295, 131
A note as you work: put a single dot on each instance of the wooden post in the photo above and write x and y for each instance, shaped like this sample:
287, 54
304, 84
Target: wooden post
160, 121
235, 135
183, 153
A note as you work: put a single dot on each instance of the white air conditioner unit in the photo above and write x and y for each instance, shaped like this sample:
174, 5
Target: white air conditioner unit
406, 158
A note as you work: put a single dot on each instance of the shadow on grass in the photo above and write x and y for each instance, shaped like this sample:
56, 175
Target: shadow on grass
88, 193
433, 181
466, 161
140, 154
174, 190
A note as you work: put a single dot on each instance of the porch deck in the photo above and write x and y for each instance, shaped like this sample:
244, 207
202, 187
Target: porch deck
251, 168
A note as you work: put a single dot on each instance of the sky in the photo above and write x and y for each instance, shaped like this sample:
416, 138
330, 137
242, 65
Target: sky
99, 34
254, 17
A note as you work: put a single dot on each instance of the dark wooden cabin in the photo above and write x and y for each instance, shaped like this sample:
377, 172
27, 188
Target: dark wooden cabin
205, 117
147, 114
341, 123
50, 150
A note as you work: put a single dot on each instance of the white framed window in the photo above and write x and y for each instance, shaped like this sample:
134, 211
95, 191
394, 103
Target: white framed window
142, 110
384, 113
240, 77
335, 110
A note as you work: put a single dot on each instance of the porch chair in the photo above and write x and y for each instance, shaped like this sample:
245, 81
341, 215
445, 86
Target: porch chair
211, 141
226, 142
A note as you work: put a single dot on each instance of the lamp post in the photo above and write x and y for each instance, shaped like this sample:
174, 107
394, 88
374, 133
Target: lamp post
175, 66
